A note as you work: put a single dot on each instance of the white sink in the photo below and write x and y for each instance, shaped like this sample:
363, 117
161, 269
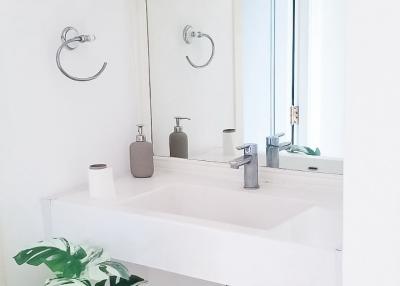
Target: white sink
194, 219
251, 209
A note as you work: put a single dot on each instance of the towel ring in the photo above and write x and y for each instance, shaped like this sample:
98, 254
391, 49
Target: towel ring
188, 35
72, 44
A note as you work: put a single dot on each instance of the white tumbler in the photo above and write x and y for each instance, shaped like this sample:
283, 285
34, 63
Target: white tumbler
229, 142
101, 182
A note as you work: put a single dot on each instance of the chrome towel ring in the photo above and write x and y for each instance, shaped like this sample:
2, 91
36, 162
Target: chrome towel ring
188, 35
71, 44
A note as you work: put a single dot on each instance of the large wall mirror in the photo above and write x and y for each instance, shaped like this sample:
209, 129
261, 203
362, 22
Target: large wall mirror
242, 71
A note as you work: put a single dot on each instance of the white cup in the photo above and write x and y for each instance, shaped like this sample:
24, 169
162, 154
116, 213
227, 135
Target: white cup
101, 182
229, 142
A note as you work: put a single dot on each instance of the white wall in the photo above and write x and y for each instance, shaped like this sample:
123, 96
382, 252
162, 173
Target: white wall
51, 127
2, 273
371, 187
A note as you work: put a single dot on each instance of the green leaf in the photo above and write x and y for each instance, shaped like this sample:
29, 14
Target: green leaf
101, 283
51, 254
57, 260
66, 243
133, 280
72, 268
304, 149
80, 253
42, 254
107, 267
92, 254
24, 255
136, 280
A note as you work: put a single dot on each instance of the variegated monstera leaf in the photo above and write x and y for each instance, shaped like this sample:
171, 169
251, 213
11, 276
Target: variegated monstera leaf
77, 265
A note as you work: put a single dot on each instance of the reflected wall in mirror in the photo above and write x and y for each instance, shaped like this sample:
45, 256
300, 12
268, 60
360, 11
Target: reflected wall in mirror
238, 69
205, 95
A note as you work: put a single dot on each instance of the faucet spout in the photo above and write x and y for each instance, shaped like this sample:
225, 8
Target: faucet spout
273, 149
250, 162
241, 161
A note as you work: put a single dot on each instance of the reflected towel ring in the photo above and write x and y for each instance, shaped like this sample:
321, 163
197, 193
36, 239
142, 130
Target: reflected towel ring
188, 35
72, 44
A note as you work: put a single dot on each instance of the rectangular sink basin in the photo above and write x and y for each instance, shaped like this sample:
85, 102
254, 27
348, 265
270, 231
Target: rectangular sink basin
252, 209
197, 223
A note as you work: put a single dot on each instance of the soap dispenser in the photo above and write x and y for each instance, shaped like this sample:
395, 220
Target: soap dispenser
141, 156
178, 141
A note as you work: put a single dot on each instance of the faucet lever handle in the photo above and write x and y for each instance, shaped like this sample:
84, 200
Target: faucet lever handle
274, 139
244, 146
276, 136
249, 148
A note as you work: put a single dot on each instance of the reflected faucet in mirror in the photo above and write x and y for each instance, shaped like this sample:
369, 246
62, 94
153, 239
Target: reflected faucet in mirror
250, 162
273, 149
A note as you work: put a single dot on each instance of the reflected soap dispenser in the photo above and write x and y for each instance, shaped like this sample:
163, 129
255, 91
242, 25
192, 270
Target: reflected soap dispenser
178, 141
141, 156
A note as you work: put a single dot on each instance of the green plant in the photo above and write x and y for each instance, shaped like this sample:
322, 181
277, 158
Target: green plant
304, 149
76, 265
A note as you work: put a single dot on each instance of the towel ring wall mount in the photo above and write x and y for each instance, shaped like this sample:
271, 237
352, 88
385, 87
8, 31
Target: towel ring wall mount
189, 34
71, 39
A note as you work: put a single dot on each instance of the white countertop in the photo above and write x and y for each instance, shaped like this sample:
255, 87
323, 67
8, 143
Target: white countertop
311, 236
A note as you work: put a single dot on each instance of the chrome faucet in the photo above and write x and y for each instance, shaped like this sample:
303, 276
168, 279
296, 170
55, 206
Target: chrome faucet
273, 149
250, 162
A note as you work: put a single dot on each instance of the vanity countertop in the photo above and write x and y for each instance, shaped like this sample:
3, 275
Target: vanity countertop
195, 219
322, 189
